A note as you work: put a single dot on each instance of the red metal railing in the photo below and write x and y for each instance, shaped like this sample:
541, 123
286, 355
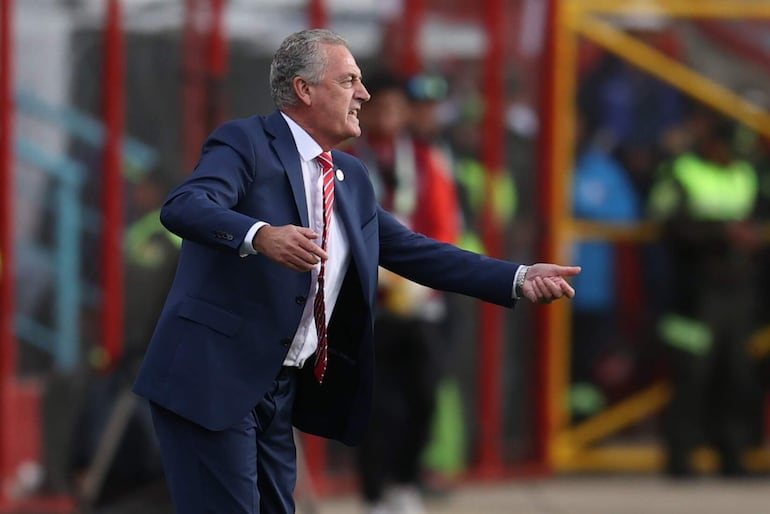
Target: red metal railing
413, 20
318, 14
545, 173
113, 108
491, 322
202, 107
12, 397
217, 65
7, 285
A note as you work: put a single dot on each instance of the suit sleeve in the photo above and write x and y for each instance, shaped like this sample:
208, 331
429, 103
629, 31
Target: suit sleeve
204, 208
443, 266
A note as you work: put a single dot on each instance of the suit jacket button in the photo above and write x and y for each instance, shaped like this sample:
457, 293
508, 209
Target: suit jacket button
300, 300
286, 342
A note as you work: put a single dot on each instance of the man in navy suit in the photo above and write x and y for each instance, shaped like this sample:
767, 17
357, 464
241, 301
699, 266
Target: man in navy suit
232, 363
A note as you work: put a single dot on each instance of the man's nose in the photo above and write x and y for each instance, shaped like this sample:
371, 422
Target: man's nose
363, 94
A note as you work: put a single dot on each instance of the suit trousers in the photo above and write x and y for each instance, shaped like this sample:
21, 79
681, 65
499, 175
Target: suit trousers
249, 468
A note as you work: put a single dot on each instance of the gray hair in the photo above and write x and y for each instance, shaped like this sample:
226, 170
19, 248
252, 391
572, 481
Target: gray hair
301, 54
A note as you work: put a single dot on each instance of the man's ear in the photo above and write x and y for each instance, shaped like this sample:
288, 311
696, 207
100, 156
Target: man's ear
302, 90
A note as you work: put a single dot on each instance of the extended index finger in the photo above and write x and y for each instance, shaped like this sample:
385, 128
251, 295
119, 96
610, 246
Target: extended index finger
567, 271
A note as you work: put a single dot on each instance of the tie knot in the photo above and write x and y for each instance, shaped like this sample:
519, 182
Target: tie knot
325, 159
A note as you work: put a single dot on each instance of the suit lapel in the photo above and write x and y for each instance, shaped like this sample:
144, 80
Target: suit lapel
284, 146
343, 202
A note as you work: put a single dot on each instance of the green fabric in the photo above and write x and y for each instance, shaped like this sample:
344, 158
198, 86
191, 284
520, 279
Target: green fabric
505, 198
717, 193
139, 247
664, 199
446, 448
586, 399
470, 174
471, 242
686, 334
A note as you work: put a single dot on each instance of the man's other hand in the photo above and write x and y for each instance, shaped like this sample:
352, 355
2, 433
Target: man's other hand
290, 245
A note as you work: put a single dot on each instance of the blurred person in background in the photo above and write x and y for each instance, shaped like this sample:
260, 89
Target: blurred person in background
151, 253
473, 180
413, 180
601, 191
151, 257
705, 199
636, 115
479, 189
756, 148
73, 437
442, 454
269, 321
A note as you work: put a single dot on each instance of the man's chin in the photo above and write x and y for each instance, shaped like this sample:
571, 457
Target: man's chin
354, 131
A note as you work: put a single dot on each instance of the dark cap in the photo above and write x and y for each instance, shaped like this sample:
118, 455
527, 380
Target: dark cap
427, 87
382, 80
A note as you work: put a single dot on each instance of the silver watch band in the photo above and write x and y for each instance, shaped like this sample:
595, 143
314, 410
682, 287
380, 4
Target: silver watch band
520, 278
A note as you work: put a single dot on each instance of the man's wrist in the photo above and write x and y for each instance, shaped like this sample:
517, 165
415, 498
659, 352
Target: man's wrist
518, 282
247, 247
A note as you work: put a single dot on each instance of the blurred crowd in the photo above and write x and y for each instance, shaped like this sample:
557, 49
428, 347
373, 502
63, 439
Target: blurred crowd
689, 305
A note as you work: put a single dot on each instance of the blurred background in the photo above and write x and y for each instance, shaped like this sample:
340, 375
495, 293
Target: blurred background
630, 137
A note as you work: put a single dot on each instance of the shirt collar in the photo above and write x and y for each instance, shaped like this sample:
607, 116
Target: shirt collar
306, 146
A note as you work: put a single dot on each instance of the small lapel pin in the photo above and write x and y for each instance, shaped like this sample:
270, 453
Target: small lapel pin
340, 175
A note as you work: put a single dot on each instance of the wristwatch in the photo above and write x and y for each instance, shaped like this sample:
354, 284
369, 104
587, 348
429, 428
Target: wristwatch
520, 277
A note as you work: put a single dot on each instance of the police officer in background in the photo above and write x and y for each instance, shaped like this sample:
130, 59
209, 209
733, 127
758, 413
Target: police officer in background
413, 179
151, 254
705, 199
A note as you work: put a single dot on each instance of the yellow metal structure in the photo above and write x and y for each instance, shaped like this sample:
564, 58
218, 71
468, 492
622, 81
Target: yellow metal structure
583, 447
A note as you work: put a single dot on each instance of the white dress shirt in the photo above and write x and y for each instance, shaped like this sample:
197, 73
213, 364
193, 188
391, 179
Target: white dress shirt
306, 339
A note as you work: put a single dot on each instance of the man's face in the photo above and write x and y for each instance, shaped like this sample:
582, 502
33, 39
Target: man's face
336, 100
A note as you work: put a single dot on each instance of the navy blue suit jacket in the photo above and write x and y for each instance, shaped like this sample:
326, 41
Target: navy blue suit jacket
228, 321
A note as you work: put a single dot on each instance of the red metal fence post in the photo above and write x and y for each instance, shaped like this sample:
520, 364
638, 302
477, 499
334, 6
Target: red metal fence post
113, 108
217, 65
202, 101
318, 14
414, 16
546, 170
7, 269
193, 92
491, 322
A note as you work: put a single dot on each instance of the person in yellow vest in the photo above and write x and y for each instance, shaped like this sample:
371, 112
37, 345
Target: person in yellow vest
454, 427
151, 254
413, 179
705, 199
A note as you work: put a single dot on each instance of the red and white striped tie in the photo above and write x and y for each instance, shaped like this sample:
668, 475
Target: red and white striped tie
319, 308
